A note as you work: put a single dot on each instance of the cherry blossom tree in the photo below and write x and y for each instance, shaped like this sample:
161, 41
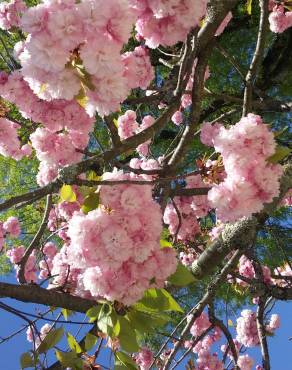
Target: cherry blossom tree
147, 173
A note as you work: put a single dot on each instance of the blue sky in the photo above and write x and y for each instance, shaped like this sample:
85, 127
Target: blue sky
280, 345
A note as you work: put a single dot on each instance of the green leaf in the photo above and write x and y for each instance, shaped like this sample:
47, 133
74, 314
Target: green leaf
126, 360
157, 300
182, 276
69, 359
165, 243
52, 338
90, 203
73, 344
249, 7
90, 341
26, 360
173, 305
128, 336
67, 194
66, 313
140, 321
93, 313
280, 153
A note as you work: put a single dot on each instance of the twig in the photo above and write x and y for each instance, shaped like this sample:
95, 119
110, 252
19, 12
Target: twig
35, 241
257, 57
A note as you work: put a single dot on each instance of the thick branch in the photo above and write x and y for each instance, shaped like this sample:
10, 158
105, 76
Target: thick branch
36, 294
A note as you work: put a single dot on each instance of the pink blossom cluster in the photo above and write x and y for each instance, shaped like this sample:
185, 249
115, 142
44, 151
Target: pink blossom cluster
45, 265
74, 50
207, 360
245, 362
65, 275
10, 13
251, 180
54, 150
128, 126
138, 70
187, 258
177, 118
10, 145
165, 23
246, 328
114, 251
246, 269
182, 217
279, 19
10, 227
15, 255
201, 324
144, 358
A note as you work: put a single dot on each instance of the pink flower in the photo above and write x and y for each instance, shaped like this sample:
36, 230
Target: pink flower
12, 226
177, 118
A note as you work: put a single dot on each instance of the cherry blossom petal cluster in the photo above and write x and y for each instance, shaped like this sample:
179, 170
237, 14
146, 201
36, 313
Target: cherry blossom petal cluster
54, 150
138, 70
246, 328
279, 19
12, 227
128, 126
10, 145
15, 255
165, 23
246, 269
182, 215
75, 48
251, 180
144, 358
10, 13
115, 249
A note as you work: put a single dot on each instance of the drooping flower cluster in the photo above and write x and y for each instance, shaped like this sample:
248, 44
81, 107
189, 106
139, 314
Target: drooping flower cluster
279, 19
117, 246
246, 328
181, 216
53, 149
165, 23
251, 180
10, 13
73, 50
